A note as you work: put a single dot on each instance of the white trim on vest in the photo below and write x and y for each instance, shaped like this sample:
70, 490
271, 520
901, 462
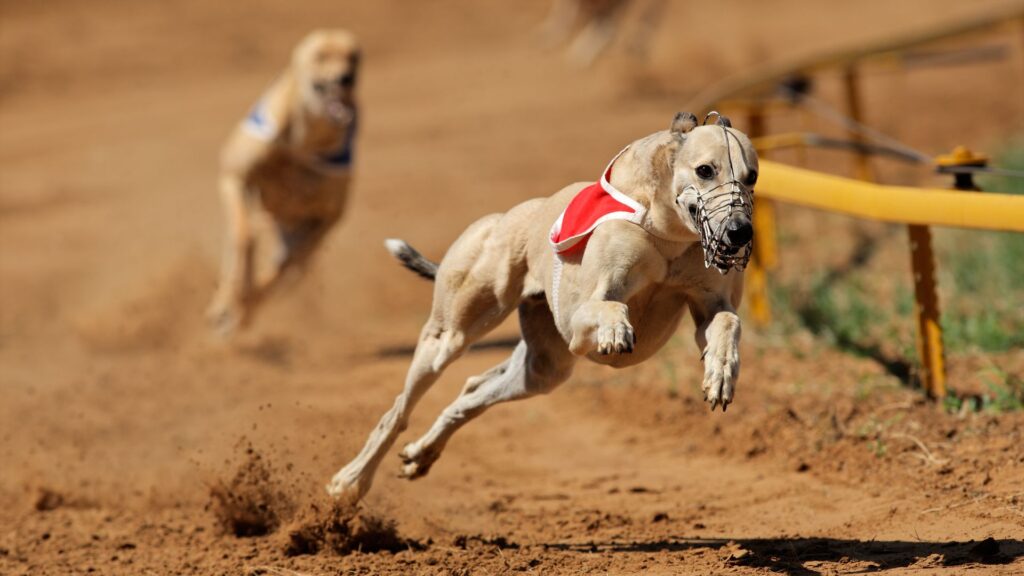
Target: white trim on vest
636, 217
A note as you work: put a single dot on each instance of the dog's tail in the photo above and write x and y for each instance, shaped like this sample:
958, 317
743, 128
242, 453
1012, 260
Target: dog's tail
411, 259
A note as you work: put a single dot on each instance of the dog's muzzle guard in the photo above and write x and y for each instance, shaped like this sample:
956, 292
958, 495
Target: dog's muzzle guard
717, 251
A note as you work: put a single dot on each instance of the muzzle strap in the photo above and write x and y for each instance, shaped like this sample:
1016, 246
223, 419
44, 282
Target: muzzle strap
717, 251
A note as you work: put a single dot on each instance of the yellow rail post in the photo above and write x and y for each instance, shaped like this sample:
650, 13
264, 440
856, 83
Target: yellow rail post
926, 311
851, 87
764, 255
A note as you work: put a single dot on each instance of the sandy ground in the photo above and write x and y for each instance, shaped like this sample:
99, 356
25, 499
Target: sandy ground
129, 438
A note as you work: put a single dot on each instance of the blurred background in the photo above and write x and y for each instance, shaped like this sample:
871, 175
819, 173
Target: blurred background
116, 403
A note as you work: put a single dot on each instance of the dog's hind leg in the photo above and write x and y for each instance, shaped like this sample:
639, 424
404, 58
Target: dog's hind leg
296, 245
477, 287
559, 22
540, 362
597, 35
436, 349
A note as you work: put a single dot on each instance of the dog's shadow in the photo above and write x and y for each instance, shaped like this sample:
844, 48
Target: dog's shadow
409, 349
791, 555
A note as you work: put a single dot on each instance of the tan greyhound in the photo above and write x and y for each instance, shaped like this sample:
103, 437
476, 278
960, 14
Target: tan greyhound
610, 285
291, 156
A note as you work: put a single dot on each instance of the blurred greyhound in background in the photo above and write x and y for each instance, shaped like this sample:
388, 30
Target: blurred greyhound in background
292, 158
598, 23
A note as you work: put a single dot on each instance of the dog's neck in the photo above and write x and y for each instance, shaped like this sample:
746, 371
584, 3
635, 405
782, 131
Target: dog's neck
644, 173
314, 134
316, 130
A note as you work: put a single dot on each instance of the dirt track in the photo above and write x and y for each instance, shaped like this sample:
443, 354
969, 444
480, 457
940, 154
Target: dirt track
118, 415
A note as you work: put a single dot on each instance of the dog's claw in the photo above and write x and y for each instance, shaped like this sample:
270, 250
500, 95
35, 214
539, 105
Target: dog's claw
225, 319
624, 339
617, 338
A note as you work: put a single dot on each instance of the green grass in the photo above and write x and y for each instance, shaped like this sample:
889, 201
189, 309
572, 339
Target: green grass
984, 309
840, 313
1006, 391
981, 294
1005, 394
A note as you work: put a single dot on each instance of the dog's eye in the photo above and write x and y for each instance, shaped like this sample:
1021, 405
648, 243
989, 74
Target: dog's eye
705, 172
751, 178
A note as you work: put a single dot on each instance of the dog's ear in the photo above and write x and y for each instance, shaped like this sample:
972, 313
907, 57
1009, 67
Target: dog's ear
683, 123
723, 121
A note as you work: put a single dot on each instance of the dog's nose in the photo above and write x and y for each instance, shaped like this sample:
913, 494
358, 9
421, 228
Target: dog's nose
739, 231
347, 80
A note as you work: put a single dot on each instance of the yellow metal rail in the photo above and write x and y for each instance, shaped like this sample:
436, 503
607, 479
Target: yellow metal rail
755, 92
891, 203
919, 208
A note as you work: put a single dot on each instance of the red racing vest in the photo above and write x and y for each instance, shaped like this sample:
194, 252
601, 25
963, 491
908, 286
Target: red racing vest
591, 207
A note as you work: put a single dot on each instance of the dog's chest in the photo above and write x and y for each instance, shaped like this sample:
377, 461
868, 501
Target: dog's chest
657, 308
290, 186
324, 145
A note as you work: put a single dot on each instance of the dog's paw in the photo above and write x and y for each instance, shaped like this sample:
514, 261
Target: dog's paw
345, 488
602, 327
415, 462
616, 338
224, 319
721, 371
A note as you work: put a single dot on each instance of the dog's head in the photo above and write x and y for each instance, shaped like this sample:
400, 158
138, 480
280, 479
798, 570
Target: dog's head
325, 65
714, 170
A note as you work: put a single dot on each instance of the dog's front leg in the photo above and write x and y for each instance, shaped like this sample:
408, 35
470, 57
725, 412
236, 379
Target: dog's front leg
227, 311
617, 266
718, 336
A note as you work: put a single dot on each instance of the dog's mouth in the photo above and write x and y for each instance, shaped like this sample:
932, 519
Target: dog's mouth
337, 100
725, 257
339, 110
729, 249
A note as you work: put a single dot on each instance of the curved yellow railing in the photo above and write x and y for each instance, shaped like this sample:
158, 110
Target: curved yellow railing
919, 208
755, 93
984, 211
